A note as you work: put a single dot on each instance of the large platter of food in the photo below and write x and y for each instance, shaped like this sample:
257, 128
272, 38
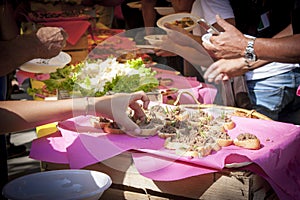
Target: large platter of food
192, 131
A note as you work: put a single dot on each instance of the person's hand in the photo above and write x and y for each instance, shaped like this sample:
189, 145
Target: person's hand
229, 44
180, 42
115, 107
51, 41
224, 69
162, 53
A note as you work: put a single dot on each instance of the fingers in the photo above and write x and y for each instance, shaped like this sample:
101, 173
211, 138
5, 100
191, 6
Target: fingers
211, 72
140, 96
127, 124
225, 25
216, 73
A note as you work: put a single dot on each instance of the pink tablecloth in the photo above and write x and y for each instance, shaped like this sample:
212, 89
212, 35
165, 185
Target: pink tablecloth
80, 145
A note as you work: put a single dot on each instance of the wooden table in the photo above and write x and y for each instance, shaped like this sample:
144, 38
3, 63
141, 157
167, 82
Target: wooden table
129, 184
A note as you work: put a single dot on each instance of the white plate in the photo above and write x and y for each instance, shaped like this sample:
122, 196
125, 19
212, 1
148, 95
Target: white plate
237, 165
136, 4
58, 184
178, 16
165, 10
154, 39
45, 66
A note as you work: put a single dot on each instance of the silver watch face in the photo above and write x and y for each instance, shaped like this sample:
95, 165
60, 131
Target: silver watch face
250, 56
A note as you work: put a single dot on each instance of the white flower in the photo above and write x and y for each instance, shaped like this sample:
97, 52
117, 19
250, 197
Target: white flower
94, 76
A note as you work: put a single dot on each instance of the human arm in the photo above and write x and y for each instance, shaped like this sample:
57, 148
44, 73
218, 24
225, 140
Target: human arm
47, 42
23, 115
231, 67
232, 44
182, 5
148, 12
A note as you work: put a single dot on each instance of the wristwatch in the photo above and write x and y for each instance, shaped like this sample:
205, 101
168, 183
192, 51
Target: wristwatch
249, 52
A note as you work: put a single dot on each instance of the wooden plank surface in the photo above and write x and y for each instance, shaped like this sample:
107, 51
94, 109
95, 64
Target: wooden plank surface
226, 184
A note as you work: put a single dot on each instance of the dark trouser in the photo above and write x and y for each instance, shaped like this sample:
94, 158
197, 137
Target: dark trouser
3, 151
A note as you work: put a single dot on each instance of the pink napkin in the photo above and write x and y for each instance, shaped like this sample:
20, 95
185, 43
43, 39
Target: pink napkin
22, 76
298, 91
204, 93
50, 148
74, 28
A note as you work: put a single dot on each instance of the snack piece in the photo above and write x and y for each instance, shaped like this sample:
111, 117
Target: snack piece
148, 128
240, 113
224, 139
228, 125
113, 128
247, 140
165, 81
167, 131
99, 122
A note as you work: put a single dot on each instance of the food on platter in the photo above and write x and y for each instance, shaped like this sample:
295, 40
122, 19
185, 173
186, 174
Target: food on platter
99, 122
240, 113
169, 91
184, 22
196, 132
228, 123
123, 58
247, 140
189, 132
113, 128
148, 126
165, 81
224, 140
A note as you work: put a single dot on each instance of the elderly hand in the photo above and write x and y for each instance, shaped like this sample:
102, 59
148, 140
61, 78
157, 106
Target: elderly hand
115, 107
52, 40
224, 69
229, 44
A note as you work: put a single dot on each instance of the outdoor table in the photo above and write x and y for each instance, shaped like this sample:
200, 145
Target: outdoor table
78, 145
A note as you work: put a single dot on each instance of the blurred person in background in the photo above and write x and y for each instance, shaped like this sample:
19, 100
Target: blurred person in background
272, 85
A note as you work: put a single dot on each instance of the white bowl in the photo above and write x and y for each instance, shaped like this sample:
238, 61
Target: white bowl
58, 184
206, 38
164, 10
174, 17
154, 39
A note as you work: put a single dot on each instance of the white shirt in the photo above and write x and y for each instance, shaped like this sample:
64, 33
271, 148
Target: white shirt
208, 9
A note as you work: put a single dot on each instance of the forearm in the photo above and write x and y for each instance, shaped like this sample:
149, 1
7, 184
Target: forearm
149, 13
284, 49
18, 116
16, 52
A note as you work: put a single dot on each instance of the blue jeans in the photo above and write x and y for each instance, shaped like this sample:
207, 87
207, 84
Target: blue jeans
276, 96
